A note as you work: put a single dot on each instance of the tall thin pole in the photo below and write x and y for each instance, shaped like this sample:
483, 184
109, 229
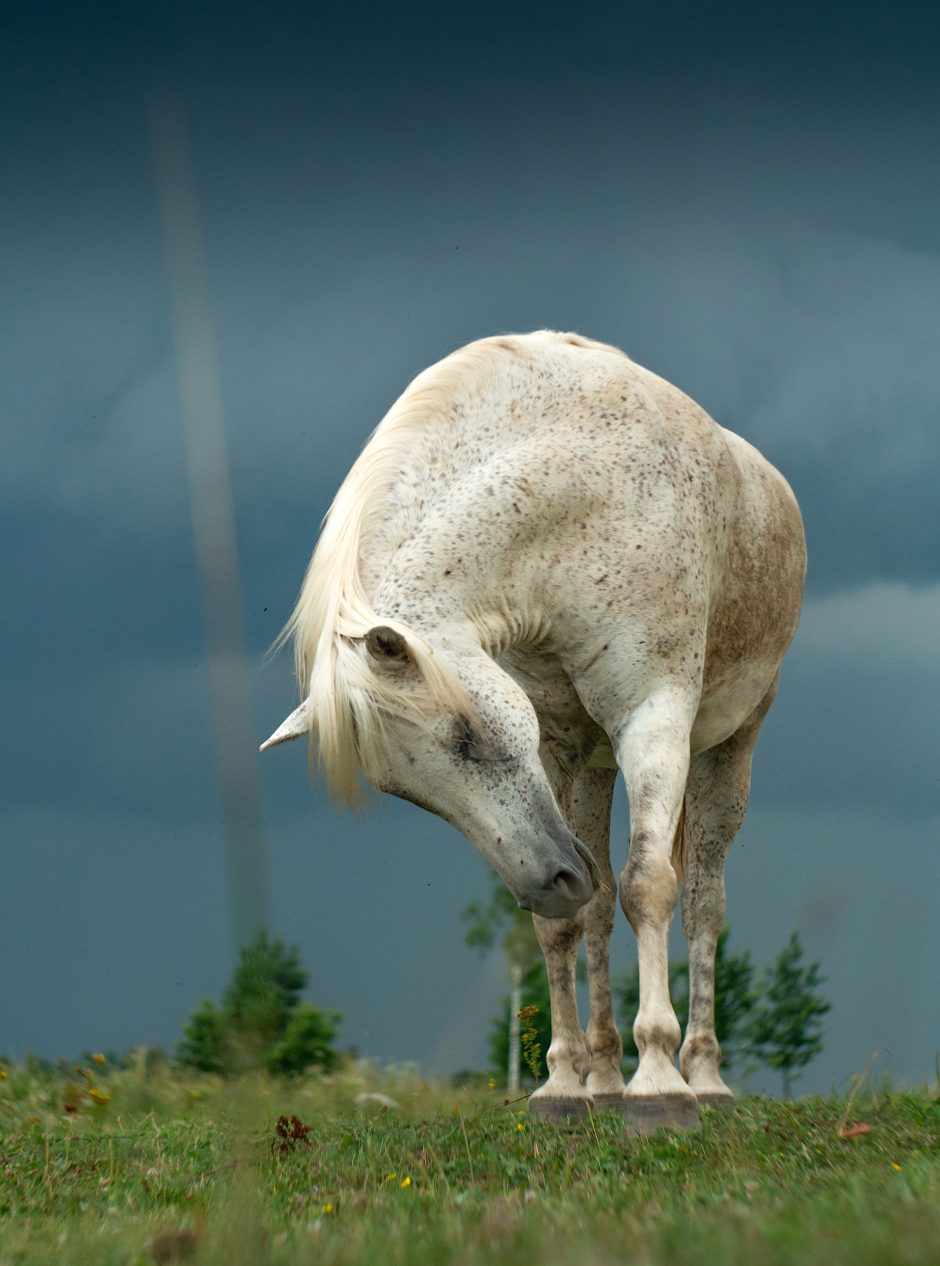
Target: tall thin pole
515, 1005
213, 518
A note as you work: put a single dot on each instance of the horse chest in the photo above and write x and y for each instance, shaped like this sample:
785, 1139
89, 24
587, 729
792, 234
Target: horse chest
564, 724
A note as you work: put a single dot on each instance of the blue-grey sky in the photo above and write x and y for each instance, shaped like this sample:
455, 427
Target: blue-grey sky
746, 198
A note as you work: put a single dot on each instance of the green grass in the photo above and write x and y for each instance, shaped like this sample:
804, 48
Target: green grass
177, 1168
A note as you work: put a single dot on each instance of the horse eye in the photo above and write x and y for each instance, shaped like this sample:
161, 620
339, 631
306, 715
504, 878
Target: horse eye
468, 743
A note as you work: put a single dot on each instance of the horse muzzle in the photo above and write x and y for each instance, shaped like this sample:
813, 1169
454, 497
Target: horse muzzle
562, 892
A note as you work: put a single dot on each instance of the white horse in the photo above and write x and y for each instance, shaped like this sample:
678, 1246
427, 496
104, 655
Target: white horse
546, 565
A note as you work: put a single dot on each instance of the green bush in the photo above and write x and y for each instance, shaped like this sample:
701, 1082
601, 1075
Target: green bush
262, 1022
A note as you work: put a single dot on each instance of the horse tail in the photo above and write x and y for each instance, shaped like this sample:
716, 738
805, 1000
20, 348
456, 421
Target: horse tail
678, 845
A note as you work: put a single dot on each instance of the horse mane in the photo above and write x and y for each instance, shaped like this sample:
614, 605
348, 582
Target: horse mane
348, 699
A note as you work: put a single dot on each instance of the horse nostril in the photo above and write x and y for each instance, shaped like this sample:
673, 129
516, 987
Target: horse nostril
564, 890
568, 882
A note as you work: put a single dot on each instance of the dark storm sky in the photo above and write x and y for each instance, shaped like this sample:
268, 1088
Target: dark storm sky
746, 200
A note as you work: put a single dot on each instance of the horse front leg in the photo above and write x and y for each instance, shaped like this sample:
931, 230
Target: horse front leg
594, 1055
583, 1067
653, 753
568, 1057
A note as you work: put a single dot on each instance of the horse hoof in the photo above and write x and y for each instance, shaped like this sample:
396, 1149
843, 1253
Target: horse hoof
646, 1113
716, 1099
558, 1111
611, 1102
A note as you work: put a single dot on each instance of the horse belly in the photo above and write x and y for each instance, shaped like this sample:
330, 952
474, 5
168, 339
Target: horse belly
725, 707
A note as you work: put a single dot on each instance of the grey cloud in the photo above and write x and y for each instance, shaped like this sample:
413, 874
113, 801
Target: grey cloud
131, 918
875, 873
112, 928
882, 626
741, 220
860, 387
862, 678
136, 735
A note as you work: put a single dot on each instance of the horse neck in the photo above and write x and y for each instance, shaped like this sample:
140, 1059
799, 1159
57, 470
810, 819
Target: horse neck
458, 590
457, 552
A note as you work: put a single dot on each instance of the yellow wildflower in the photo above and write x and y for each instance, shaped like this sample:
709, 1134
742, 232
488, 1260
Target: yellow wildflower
406, 1181
520, 1126
391, 1177
98, 1058
100, 1096
896, 1167
328, 1207
3, 1074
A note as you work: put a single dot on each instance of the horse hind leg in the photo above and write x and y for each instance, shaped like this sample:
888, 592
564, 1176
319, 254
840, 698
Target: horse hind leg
592, 798
716, 801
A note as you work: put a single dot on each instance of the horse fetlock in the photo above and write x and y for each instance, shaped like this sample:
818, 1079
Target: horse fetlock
605, 1044
567, 1076
566, 1058
699, 1060
605, 1077
661, 1033
700, 1047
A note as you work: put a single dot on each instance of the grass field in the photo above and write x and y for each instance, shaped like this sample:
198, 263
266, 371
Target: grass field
152, 1165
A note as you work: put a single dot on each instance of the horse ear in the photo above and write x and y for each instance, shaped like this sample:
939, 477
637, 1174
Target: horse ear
296, 726
387, 645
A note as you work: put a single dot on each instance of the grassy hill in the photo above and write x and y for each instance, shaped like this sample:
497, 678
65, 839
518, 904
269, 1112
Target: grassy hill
144, 1165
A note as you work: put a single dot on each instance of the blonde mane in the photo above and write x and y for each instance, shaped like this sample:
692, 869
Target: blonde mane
348, 699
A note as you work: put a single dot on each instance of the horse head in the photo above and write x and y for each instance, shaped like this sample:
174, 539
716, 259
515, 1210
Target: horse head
467, 751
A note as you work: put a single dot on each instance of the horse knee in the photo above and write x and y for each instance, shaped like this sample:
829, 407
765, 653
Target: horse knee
649, 890
558, 938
